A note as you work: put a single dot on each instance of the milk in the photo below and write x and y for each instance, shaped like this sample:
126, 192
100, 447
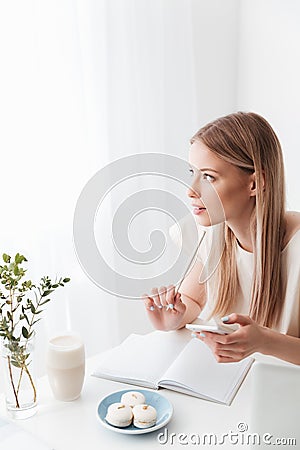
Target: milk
65, 364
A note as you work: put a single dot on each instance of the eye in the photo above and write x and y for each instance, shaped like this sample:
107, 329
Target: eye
208, 177
191, 172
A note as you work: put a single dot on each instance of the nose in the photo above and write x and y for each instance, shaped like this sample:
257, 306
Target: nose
193, 191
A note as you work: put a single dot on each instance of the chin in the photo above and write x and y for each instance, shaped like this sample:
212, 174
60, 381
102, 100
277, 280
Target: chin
206, 221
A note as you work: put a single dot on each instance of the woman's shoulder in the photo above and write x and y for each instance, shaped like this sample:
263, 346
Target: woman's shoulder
292, 225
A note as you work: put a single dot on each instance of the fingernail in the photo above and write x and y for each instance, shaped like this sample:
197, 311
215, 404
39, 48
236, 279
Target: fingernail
151, 308
225, 319
193, 335
202, 334
160, 306
170, 306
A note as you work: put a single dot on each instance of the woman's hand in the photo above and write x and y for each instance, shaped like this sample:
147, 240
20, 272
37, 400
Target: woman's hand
165, 309
237, 345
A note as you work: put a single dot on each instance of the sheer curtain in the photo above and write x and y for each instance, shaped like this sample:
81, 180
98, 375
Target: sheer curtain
53, 139
84, 83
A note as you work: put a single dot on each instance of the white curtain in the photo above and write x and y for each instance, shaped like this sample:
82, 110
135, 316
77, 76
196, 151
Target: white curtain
53, 139
269, 72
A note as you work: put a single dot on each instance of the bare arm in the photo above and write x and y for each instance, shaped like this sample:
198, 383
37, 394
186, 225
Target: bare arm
281, 346
193, 294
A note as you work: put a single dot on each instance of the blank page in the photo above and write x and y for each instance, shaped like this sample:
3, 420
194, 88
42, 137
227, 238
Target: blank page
143, 357
197, 369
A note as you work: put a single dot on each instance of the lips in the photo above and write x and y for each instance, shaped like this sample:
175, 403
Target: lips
198, 209
198, 206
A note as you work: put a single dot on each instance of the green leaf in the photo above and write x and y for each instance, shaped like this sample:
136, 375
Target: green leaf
66, 280
19, 258
16, 364
6, 258
25, 332
45, 301
16, 270
37, 320
46, 293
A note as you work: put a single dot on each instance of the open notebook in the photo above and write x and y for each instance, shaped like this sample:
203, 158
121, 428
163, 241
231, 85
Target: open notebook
175, 361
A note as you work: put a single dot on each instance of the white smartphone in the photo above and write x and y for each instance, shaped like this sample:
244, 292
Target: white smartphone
213, 327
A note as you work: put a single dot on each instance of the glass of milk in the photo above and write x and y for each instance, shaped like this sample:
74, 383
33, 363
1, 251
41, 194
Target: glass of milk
65, 365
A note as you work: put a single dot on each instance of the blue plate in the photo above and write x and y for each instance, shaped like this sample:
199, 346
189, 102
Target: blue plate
163, 408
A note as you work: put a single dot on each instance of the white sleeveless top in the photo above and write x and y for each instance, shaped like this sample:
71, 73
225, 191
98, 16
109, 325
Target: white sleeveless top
209, 254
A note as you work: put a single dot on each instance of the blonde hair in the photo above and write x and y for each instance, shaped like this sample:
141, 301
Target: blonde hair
248, 141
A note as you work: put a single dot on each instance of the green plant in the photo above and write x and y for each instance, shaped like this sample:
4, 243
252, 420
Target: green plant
21, 302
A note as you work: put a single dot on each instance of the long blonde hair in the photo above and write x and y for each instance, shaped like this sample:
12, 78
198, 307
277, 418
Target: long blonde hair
248, 141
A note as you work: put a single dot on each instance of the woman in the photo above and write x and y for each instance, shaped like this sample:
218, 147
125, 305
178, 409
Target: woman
237, 159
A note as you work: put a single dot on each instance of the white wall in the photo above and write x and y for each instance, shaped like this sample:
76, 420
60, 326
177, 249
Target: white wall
215, 26
244, 58
181, 75
269, 74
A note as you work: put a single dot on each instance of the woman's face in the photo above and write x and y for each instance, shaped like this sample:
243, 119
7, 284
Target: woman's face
219, 190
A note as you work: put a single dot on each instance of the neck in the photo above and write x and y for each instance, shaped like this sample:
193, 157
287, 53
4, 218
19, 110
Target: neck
241, 230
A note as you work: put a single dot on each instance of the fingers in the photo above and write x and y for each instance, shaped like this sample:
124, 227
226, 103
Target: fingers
163, 298
155, 297
170, 295
225, 339
179, 306
231, 355
241, 319
231, 347
226, 359
223, 352
162, 292
148, 302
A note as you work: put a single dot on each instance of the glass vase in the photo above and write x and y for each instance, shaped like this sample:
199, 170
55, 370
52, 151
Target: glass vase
18, 364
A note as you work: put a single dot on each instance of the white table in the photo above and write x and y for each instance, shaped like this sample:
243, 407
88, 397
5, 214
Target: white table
74, 425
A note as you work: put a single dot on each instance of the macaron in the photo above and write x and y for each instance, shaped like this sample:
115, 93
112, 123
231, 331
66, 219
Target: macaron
119, 415
133, 398
144, 416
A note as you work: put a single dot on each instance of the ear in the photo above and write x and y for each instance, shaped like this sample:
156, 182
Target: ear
253, 184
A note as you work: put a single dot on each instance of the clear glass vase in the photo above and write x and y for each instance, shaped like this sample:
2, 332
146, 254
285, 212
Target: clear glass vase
18, 365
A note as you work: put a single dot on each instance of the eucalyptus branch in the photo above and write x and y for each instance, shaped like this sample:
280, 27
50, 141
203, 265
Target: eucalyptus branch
18, 313
12, 382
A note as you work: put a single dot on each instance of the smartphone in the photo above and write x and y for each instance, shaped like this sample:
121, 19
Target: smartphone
213, 327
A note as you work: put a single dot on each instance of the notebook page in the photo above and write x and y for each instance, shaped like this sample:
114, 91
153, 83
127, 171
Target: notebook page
197, 369
142, 357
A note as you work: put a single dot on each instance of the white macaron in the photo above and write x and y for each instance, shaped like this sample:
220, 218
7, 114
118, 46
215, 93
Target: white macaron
144, 416
119, 415
133, 398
